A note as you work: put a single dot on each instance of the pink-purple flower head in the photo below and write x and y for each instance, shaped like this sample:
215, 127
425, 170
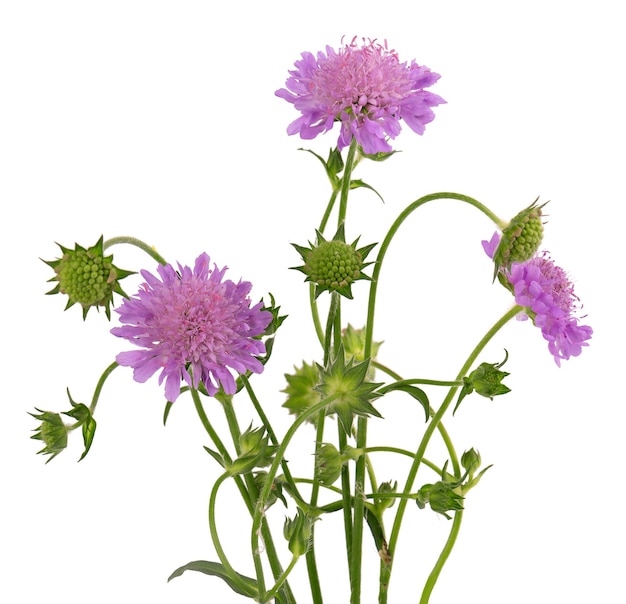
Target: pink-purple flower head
192, 326
547, 293
366, 88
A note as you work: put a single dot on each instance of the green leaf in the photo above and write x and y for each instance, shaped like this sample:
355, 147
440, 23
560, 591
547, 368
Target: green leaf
417, 393
241, 584
166, 411
79, 412
89, 431
358, 184
380, 156
216, 456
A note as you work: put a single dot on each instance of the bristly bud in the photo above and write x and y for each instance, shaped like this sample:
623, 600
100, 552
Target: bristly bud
301, 389
298, 532
52, 431
521, 238
87, 277
334, 265
385, 488
328, 463
354, 345
353, 394
486, 380
470, 460
441, 497
254, 451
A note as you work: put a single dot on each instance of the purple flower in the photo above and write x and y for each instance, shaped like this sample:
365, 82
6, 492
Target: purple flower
547, 293
366, 88
192, 326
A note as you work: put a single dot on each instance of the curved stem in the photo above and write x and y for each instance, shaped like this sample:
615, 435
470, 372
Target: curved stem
434, 422
233, 575
445, 552
96, 395
279, 582
369, 330
137, 243
406, 453
259, 512
252, 490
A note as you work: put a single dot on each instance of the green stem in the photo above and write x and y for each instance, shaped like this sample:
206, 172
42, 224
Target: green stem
434, 422
369, 330
96, 395
425, 382
359, 504
279, 582
137, 243
406, 453
329, 208
233, 575
270, 431
346, 181
259, 511
311, 562
251, 487
346, 498
445, 553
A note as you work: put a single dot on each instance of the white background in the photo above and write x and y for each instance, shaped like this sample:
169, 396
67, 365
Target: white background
159, 120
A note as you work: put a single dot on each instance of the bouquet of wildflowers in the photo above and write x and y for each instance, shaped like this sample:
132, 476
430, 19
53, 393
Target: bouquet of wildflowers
207, 338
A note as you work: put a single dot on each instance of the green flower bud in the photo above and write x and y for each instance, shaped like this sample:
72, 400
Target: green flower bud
470, 460
52, 432
87, 277
276, 490
383, 503
441, 497
347, 383
298, 532
301, 389
521, 238
486, 380
254, 452
333, 265
328, 463
354, 344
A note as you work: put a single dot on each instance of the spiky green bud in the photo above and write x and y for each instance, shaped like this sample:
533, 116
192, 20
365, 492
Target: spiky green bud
352, 392
87, 277
486, 380
333, 265
301, 389
521, 238
52, 432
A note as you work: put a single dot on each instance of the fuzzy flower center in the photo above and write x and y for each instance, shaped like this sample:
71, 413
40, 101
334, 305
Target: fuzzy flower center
361, 80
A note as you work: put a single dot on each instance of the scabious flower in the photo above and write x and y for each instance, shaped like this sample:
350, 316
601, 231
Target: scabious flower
366, 88
547, 294
192, 326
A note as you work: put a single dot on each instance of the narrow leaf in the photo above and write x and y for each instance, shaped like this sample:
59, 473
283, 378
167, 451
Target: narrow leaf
241, 584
